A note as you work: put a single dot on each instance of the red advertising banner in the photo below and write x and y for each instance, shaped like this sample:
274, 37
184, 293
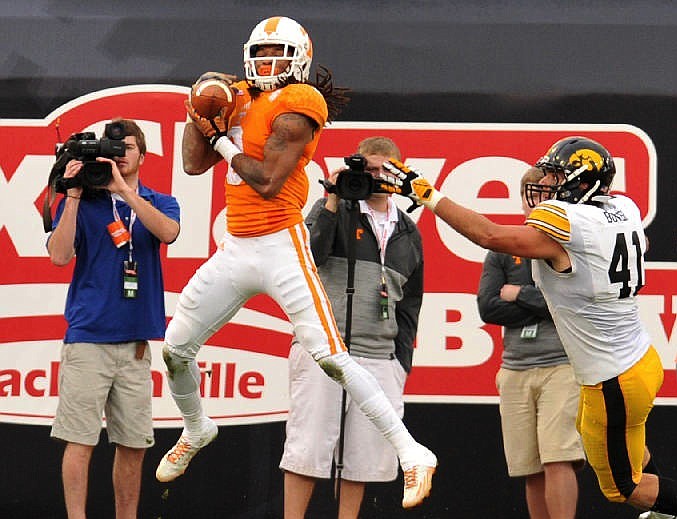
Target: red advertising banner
244, 364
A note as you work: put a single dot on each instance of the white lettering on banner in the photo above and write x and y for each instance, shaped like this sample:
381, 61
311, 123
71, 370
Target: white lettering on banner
238, 387
18, 213
438, 324
477, 165
463, 185
194, 193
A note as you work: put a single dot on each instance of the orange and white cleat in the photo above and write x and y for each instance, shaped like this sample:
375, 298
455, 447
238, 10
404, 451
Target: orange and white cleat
176, 460
418, 478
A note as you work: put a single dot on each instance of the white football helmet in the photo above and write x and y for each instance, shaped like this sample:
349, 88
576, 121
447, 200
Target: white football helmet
279, 30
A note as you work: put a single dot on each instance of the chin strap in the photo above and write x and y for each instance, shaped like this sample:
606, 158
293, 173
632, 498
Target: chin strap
590, 192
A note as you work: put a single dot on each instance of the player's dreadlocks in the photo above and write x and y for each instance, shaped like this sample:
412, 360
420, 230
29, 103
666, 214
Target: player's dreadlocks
336, 97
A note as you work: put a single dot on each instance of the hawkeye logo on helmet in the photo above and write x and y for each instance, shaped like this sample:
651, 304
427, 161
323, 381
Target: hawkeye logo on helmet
587, 157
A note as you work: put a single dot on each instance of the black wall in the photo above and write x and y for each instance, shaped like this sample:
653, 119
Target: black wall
237, 476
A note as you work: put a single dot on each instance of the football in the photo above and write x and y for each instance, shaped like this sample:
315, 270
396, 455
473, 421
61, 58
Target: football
211, 96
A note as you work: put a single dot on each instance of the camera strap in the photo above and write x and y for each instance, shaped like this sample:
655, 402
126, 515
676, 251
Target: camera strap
50, 196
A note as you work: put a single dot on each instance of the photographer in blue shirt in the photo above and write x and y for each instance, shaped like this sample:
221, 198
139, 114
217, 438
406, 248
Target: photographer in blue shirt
115, 304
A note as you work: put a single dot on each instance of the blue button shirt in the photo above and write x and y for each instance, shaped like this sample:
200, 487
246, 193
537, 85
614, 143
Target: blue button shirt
96, 310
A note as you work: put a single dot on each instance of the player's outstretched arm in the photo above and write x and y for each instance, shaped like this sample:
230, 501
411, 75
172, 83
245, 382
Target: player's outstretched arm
518, 240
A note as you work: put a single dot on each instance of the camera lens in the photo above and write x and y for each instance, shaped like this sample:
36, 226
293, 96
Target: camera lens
96, 174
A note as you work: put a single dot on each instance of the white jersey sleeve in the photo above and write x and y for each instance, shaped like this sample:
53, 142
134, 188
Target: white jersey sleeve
593, 305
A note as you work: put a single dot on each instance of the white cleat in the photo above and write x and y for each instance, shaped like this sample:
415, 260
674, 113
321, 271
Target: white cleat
418, 478
655, 515
176, 460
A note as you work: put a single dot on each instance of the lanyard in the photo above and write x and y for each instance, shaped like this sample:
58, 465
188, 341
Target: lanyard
132, 219
382, 231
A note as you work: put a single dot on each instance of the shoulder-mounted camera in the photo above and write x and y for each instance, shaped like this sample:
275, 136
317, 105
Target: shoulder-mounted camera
84, 147
354, 183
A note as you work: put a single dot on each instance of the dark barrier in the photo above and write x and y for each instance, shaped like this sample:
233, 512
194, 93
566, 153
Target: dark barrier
237, 477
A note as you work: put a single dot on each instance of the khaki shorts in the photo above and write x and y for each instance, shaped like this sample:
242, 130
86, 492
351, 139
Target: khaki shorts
314, 422
98, 379
538, 418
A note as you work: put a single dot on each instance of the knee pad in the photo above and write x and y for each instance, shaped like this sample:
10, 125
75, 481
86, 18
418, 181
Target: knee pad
313, 339
333, 365
183, 374
180, 336
175, 363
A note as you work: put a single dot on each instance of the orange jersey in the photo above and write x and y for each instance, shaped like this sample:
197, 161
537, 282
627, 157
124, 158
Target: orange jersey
248, 213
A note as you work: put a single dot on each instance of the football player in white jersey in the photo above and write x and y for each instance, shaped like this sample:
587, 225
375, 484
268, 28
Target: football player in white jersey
589, 247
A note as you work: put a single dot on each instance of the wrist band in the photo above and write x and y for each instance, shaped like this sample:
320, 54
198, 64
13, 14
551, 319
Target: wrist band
226, 148
434, 199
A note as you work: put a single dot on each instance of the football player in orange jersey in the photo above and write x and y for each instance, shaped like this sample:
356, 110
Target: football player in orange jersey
267, 141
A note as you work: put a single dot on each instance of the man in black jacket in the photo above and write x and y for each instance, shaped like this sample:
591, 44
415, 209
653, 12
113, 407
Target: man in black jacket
386, 304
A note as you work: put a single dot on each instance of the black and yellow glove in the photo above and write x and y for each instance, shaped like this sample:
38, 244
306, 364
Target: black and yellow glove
409, 182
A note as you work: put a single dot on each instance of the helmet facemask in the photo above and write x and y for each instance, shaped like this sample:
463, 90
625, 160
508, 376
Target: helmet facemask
535, 193
297, 49
567, 187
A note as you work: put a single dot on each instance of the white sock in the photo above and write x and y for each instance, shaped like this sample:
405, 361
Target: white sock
372, 401
184, 385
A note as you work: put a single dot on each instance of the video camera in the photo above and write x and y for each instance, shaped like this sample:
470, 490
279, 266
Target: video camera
354, 183
86, 148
